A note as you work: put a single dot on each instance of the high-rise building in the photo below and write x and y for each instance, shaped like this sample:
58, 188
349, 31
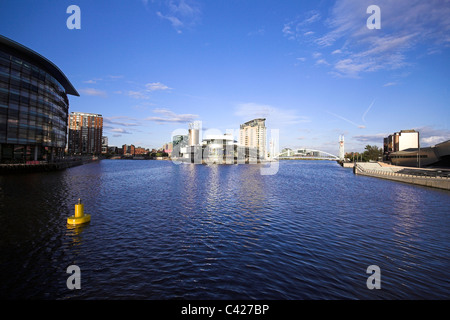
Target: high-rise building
33, 105
85, 133
253, 134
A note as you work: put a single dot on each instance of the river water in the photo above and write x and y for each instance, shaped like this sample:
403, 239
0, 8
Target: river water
164, 231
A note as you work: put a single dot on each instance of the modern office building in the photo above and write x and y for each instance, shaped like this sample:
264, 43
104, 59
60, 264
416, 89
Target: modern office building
398, 141
85, 133
33, 105
403, 149
435, 156
253, 134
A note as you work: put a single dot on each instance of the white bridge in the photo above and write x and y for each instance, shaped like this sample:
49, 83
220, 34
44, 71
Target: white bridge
304, 153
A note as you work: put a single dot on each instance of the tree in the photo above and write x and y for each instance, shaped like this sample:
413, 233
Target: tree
372, 153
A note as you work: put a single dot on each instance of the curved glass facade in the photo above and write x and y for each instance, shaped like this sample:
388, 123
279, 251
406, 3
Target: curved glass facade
33, 111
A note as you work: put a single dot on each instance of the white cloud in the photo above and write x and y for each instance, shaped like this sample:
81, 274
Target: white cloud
176, 23
322, 61
120, 130
180, 13
154, 86
300, 26
430, 136
93, 92
137, 95
406, 25
378, 137
171, 117
121, 121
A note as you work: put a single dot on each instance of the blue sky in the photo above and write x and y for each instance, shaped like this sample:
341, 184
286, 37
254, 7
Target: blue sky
312, 68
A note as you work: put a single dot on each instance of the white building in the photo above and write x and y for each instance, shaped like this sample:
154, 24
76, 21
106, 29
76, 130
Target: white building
253, 134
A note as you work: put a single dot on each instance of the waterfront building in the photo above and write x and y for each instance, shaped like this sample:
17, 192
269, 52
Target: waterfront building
436, 156
114, 150
33, 105
128, 150
194, 133
179, 146
85, 133
398, 141
219, 149
167, 148
253, 134
140, 151
104, 145
403, 149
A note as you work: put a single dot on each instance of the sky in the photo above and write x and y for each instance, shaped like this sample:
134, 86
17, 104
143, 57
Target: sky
314, 69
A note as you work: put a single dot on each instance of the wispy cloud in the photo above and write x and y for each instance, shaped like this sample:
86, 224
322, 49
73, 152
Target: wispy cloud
106, 78
120, 130
121, 121
278, 117
430, 135
143, 94
299, 27
154, 86
407, 25
138, 95
167, 116
180, 13
377, 138
259, 32
91, 81
93, 92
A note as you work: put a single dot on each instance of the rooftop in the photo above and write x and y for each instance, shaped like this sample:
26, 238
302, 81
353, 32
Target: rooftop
18, 50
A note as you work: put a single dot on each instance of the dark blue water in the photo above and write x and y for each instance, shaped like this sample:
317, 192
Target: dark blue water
166, 231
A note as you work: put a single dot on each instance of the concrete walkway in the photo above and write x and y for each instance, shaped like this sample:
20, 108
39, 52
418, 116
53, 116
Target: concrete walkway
435, 178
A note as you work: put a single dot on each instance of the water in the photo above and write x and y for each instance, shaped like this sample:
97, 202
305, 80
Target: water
165, 231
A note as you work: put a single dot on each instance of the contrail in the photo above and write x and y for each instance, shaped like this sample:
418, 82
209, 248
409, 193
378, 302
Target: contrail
367, 111
349, 121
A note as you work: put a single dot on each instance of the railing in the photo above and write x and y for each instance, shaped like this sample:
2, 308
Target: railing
389, 173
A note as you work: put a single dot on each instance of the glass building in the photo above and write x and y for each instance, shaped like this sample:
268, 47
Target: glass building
33, 105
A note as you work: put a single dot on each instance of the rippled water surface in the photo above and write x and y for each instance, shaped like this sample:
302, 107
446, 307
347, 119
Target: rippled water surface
165, 231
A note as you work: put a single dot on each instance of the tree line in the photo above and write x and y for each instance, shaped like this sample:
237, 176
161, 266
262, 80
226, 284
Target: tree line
371, 153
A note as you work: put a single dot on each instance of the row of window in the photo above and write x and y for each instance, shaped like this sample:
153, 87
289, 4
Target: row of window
33, 105
24, 92
16, 67
409, 157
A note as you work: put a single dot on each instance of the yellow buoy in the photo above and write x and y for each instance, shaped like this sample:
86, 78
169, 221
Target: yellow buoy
79, 216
